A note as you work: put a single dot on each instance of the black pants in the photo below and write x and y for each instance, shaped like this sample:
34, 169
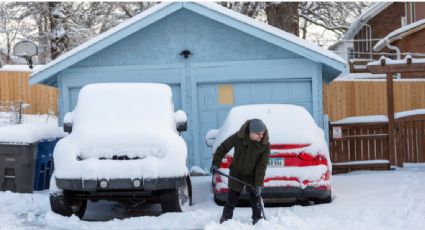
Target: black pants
232, 200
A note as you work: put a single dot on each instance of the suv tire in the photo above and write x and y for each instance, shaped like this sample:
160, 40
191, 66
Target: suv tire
177, 200
63, 203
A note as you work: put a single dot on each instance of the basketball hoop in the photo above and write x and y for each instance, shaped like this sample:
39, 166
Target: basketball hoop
26, 49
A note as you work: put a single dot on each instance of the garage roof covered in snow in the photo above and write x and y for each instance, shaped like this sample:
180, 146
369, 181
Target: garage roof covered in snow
333, 65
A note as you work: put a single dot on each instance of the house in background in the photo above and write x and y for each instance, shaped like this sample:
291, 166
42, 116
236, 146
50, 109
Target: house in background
359, 44
212, 57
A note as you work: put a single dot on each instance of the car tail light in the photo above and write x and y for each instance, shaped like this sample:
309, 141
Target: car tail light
226, 162
288, 146
306, 157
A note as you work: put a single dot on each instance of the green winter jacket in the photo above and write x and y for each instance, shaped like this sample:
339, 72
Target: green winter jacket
250, 158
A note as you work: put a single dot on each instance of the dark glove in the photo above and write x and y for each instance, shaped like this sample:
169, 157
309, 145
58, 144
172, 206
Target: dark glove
257, 191
213, 169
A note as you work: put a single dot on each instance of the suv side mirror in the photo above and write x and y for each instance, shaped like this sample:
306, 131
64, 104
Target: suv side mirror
211, 137
67, 122
181, 121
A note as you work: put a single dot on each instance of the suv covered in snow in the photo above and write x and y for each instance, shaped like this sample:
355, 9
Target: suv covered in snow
125, 145
299, 165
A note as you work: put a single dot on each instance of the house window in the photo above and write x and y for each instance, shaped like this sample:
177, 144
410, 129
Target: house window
225, 94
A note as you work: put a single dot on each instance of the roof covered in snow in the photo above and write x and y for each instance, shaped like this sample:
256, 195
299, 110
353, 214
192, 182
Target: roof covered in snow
333, 64
400, 34
357, 25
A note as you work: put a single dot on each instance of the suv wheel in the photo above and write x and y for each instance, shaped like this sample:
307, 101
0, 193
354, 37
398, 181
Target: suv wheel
177, 200
63, 203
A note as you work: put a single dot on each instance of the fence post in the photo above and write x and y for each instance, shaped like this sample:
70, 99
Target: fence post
20, 112
391, 126
399, 141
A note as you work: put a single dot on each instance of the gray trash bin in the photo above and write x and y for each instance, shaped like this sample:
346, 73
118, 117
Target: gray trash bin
17, 162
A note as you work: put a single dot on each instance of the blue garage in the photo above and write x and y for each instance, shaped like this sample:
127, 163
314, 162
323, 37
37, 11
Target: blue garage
213, 59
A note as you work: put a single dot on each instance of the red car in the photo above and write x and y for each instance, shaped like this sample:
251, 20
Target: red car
299, 165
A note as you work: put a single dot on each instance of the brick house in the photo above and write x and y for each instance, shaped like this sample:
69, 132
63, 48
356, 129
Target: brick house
366, 38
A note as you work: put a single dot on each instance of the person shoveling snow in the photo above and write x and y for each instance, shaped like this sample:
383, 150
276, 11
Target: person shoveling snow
251, 152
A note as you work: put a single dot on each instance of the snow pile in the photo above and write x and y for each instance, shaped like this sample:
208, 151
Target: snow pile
10, 118
286, 124
357, 76
409, 113
19, 68
29, 133
389, 61
378, 118
198, 171
135, 120
362, 119
180, 116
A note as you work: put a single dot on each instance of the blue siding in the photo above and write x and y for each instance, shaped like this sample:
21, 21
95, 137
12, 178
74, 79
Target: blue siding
208, 40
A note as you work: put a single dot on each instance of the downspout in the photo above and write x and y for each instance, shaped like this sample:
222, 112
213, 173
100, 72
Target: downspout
397, 50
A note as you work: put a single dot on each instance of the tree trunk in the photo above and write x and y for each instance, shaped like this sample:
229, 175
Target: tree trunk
59, 39
43, 41
283, 15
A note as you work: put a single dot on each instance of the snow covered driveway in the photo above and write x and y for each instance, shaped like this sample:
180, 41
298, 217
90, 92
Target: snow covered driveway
362, 200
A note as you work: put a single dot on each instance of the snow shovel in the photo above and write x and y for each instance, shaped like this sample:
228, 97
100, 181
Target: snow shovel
253, 189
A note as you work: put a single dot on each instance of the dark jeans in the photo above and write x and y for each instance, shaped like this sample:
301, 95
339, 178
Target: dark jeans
232, 200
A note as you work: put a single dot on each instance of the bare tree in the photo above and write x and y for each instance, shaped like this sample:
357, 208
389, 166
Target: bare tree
250, 9
333, 16
10, 26
296, 17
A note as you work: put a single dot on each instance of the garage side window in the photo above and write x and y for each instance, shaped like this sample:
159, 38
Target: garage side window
225, 94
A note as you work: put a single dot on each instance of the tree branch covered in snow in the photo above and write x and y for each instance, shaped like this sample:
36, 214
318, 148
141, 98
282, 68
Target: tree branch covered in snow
61, 26
332, 16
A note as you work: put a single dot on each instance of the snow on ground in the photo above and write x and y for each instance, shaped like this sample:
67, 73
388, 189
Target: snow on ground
362, 200
8, 118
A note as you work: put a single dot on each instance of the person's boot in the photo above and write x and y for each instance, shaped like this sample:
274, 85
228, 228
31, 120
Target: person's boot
254, 221
223, 219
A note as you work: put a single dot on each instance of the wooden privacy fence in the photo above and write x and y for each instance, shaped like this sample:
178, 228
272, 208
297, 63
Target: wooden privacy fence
343, 99
365, 145
14, 87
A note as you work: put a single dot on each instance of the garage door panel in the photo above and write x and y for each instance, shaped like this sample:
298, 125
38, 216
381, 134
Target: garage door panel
207, 96
242, 93
301, 91
260, 93
280, 92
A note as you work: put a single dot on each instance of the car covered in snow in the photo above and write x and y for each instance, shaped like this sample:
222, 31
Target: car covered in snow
299, 165
125, 145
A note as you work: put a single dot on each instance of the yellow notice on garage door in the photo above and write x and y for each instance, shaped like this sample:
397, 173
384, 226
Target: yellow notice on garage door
225, 94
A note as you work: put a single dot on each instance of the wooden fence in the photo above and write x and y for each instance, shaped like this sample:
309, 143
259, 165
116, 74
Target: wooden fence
365, 145
14, 87
343, 99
